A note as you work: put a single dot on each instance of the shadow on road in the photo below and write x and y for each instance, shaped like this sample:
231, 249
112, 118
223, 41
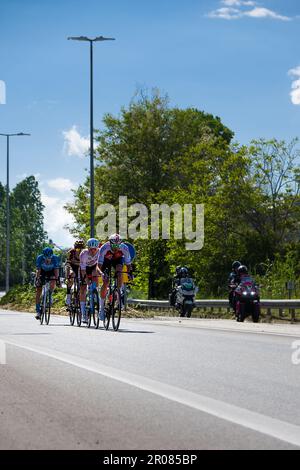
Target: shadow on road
132, 331
29, 334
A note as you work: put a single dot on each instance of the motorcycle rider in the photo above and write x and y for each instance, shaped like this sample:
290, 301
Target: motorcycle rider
176, 282
245, 280
185, 293
233, 282
244, 275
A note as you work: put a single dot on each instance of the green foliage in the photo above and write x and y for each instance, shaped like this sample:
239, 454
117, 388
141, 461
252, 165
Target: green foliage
27, 235
21, 295
273, 276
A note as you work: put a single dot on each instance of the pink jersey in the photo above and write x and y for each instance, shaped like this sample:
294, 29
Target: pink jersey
86, 259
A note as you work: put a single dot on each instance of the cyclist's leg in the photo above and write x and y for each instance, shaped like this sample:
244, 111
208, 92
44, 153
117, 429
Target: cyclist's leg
52, 276
70, 275
83, 287
103, 291
52, 284
96, 276
39, 287
119, 271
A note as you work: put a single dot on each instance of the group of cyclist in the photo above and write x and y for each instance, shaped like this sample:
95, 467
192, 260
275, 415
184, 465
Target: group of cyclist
86, 262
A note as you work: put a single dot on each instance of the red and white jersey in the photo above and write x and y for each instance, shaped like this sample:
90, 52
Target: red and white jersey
107, 253
87, 259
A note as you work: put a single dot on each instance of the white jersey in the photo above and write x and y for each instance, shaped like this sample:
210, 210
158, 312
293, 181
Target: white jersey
87, 259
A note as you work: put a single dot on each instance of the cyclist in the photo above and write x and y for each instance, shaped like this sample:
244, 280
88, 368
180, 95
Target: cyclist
88, 268
72, 267
113, 253
47, 265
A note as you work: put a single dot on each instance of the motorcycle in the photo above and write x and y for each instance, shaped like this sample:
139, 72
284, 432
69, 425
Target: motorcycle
185, 297
247, 301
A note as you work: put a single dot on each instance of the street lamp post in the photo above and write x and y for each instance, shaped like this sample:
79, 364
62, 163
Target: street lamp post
7, 207
92, 185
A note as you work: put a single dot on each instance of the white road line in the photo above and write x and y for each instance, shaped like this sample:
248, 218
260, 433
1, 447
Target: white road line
281, 430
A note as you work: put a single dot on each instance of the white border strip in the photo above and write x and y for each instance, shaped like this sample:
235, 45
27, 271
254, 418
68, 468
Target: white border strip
275, 428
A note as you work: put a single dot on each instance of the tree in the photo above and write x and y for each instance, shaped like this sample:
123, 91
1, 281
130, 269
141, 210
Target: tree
276, 174
143, 154
27, 228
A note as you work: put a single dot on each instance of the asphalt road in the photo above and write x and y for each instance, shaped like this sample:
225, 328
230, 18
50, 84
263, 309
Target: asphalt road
155, 384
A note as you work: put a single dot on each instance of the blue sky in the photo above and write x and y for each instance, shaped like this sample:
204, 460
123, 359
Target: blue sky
231, 58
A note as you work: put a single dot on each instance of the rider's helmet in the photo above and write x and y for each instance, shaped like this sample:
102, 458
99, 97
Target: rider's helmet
79, 244
47, 252
236, 265
184, 272
242, 270
115, 241
177, 270
93, 243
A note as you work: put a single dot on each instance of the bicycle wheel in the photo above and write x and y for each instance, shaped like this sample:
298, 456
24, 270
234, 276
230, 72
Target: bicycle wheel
116, 309
89, 309
48, 307
42, 308
107, 309
72, 308
78, 315
96, 308
124, 297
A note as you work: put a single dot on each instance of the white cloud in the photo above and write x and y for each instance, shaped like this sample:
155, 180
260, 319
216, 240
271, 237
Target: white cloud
238, 3
259, 12
75, 144
61, 184
225, 13
56, 218
235, 9
295, 93
2, 92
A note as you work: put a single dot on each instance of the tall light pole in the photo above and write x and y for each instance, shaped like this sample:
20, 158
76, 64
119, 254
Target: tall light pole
92, 185
7, 208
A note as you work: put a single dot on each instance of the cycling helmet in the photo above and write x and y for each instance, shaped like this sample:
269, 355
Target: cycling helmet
79, 244
243, 269
115, 240
47, 252
236, 265
93, 243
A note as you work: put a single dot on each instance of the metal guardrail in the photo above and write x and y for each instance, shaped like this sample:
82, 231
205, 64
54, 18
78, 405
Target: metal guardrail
220, 303
269, 304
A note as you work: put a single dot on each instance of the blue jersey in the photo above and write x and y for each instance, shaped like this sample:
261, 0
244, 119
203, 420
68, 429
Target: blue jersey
47, 264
